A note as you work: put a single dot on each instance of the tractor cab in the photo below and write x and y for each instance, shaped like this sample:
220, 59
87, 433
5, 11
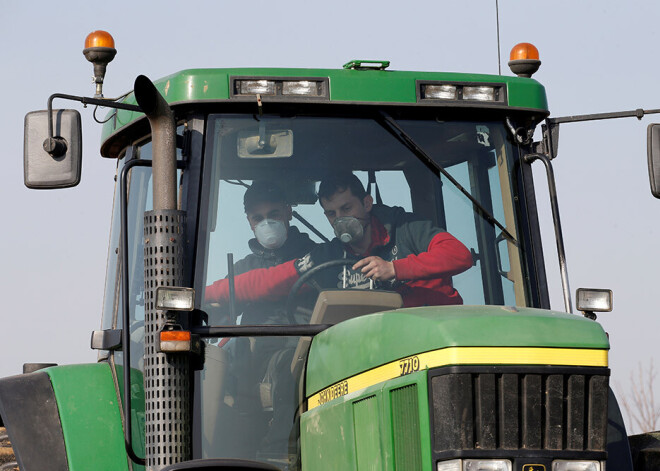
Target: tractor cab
450, 171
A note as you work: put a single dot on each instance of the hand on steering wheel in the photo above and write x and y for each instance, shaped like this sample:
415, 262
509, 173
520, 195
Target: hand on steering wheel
305, 277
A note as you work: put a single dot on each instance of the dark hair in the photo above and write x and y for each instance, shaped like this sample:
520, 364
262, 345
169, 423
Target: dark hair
341, 181
262, 191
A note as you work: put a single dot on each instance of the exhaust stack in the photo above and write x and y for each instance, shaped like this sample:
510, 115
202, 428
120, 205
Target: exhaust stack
166, 375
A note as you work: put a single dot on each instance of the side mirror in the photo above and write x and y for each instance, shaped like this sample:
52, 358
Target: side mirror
52, 163
653, 151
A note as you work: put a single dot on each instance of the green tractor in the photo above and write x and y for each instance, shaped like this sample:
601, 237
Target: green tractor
355, 377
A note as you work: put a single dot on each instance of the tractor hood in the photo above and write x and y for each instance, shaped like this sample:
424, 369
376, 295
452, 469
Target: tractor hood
453, 335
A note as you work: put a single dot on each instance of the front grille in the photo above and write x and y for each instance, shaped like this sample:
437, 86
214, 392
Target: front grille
547, 409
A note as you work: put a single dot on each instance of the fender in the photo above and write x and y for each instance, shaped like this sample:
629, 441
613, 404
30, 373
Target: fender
65, 418
29, 412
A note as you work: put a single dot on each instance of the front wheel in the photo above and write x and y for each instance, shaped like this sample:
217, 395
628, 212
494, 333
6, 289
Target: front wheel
7, 457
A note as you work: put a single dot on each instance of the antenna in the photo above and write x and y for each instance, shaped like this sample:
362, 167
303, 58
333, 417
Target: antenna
497, 19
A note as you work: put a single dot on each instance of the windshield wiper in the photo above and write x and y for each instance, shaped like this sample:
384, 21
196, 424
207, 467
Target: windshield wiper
309, 226
402, 136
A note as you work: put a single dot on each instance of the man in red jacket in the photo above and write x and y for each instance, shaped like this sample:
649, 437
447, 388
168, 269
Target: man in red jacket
395, 250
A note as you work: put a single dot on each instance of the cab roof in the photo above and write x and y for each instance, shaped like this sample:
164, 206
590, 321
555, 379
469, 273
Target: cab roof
197, 88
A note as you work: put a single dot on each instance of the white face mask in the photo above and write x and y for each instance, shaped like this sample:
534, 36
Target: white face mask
270, 233
348, 229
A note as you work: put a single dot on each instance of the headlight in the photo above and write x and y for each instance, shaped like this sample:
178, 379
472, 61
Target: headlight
594, 300
461, 92
451, 465
479, 93
252, 87
474, 465
300, 87
175, 298
441, 92
565, 465
293, 87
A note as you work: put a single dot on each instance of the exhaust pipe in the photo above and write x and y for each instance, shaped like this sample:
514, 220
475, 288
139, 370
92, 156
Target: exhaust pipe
163, 142
166, 375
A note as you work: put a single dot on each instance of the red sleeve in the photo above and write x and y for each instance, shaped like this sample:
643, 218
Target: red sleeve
445, 256
260, 284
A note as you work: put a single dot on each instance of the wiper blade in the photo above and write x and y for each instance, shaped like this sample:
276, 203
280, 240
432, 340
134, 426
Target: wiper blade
402, 136
309, 226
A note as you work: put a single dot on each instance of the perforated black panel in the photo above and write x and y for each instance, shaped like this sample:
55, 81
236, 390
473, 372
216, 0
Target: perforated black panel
166, 376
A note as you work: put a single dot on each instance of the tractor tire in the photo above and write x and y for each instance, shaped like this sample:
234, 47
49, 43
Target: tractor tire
7, 458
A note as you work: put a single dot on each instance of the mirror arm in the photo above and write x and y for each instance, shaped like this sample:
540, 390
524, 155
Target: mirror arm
550, 140
638, 113
56, 146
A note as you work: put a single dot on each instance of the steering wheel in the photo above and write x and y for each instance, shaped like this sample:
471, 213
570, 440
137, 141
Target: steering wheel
304, 278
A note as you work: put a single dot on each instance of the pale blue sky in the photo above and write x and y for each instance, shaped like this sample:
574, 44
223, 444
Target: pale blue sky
596, 56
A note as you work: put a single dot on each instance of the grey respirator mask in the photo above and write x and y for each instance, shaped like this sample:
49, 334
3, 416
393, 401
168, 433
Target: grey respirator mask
348, 229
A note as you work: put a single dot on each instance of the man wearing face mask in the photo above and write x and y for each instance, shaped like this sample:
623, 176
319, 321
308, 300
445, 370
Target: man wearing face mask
275, 240
396, 250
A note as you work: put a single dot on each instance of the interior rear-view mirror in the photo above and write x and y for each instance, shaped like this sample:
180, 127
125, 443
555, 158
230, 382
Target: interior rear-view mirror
265, 144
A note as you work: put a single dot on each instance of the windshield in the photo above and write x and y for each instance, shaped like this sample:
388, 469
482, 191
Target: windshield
288, 194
